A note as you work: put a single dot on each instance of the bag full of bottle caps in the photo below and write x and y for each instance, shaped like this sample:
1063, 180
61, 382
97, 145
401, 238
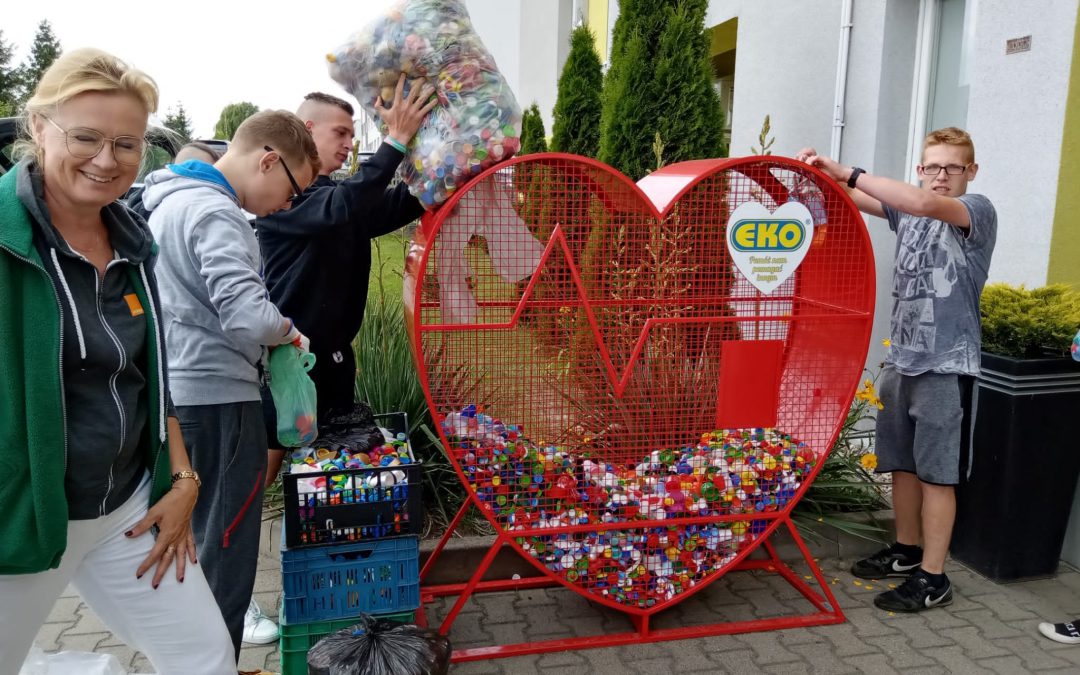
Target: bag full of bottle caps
477, 122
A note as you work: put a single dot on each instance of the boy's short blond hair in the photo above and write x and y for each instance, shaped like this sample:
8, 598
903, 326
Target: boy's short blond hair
281, 130
951, 136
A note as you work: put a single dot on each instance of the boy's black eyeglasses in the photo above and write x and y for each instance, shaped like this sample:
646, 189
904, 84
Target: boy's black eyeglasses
950, 169
292, 181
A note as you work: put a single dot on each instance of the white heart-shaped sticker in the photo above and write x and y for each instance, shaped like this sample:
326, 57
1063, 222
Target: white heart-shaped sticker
768, 247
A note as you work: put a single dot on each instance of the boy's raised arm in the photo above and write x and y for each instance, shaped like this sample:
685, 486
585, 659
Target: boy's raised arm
873, 191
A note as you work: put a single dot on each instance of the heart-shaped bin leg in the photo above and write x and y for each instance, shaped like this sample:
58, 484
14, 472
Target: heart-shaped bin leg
611, 388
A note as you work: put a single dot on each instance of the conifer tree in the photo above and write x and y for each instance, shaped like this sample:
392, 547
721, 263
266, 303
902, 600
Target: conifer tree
532, 131
179, 122
660, 80
576, 126
44, 50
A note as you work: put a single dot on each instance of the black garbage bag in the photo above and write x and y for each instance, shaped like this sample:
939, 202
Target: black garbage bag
380, 647
353, 427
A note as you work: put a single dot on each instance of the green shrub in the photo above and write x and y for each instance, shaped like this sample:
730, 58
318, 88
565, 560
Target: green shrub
1023, 323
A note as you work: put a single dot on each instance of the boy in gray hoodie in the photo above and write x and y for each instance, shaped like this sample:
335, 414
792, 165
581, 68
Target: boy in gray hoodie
218, 317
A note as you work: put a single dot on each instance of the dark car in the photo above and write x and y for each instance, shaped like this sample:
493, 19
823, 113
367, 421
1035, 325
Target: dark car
160, 150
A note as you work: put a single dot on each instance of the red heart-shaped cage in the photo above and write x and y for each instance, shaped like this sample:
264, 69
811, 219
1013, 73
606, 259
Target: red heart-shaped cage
610, 387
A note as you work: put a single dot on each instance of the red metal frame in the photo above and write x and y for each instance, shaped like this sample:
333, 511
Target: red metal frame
829, 611
819, 296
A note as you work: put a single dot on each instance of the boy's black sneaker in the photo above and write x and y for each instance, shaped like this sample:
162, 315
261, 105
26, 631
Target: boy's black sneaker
916, 594
888, 562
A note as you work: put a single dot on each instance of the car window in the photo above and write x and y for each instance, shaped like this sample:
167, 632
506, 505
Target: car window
159, 152
8, 134
6, 160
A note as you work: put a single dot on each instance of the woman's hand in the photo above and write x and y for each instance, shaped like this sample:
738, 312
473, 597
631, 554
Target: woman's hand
175, 542
403, 118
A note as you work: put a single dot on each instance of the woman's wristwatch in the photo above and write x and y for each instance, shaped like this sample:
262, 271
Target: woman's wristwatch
194, 475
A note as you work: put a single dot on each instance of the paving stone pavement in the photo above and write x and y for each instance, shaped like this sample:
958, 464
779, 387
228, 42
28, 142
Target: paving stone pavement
989, 628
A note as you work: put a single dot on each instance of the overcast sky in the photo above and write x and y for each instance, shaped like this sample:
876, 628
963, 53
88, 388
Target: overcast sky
205, 54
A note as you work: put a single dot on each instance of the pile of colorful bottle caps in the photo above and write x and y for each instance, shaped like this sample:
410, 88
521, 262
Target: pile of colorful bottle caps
642, 566
726, 472
477, 122
348, 482
524, 484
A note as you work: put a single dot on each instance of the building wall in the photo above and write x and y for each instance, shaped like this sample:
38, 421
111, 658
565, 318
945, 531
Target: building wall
786, 59
792, 85
498, 22
785, 66
1065, 245
1016, 115
529, 40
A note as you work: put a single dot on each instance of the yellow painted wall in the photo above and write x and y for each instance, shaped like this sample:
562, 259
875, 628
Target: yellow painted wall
724, 36
1065, 241
598, 23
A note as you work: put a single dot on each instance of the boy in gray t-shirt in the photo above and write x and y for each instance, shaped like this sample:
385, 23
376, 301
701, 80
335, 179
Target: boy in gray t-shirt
944, 241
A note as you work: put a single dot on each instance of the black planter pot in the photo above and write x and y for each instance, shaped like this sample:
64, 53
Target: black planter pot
1011, 515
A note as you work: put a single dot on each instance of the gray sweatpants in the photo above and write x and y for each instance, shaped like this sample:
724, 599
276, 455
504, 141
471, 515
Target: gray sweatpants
920, 430
227, 445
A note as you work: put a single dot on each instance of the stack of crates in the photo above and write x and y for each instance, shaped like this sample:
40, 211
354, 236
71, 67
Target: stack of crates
350, 545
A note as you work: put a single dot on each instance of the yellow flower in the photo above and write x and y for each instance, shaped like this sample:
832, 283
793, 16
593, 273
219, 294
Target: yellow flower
868, 394
887, 342
869, 461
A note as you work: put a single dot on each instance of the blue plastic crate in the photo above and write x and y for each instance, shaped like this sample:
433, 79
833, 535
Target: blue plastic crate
323, 583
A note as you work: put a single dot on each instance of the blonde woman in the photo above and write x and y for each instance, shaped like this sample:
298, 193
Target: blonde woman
97, 489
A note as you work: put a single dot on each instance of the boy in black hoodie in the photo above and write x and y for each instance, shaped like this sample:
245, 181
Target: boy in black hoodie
317, 255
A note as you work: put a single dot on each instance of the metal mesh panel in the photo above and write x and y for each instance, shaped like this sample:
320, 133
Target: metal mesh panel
572, 344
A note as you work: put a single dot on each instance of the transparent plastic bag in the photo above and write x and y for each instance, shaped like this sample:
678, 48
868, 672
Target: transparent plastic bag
294, 395
70, 663
478, 120
380, 647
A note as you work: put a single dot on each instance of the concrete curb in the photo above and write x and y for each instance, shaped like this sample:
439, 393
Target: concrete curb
463, 555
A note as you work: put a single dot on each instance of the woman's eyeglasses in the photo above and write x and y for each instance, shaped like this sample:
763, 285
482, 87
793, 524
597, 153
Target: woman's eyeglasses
86, 143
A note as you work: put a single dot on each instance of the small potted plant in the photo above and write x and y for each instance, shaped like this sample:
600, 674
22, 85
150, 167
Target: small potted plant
1013, 505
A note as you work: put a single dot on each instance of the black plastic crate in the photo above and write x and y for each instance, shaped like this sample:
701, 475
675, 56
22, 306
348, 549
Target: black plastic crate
373, 502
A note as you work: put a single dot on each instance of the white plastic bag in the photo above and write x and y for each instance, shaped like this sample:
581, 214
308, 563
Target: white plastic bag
70, 663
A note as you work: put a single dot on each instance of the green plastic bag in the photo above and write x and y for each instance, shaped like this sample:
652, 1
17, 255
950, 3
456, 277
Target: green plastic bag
294, 395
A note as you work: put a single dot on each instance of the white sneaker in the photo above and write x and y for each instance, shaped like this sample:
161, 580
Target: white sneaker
1066, 633
259, 629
